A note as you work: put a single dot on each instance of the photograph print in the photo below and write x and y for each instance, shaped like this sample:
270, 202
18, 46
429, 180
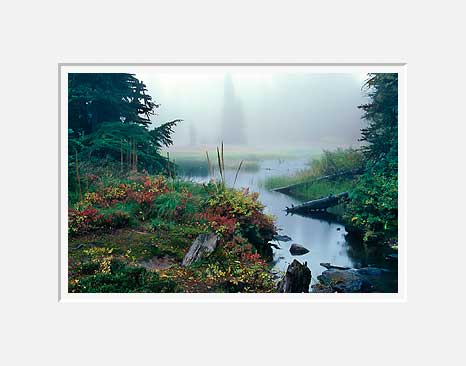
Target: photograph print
231, 179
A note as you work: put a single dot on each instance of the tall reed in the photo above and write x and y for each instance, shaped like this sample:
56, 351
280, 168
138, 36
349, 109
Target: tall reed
168, 165
237, 171
78, 179
210, 167
221, 167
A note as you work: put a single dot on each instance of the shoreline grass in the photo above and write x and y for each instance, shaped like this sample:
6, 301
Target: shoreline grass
328, 164
323, 188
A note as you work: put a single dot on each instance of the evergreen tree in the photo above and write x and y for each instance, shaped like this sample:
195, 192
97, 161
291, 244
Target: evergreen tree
104, 97
233, 117
381, 113
374, 204
109, 117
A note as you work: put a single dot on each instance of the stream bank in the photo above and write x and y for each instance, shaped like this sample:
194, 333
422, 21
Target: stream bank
323, 235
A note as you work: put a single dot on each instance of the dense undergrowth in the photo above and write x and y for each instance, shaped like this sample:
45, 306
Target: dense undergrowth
130, 234
373, 207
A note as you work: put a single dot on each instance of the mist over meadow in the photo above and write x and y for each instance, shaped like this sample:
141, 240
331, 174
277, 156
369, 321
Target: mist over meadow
259, 109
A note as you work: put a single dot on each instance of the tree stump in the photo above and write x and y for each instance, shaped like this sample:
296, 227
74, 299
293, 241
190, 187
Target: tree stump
297, 278
200, 248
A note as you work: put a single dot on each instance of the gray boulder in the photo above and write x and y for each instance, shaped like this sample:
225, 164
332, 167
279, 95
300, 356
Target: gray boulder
343, 280
367, 279
201, 248
297, 249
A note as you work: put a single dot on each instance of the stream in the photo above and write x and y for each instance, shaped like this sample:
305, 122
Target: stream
325, 238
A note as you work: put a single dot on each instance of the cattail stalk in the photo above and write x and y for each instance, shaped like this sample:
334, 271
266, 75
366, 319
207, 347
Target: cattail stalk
209, 165
121, 154
168, 165
78, 179
236, 175
223, 165
134, 168
128, 154
219, 164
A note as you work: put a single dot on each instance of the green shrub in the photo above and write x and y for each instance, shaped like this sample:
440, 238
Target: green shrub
175, 205
89, 268
232, 212
373, 207
122, 279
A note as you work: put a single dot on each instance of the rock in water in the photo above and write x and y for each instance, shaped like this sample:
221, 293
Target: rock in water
297, 249
342, 280
200, 248
282, 237
297, 278
368, 279
393, 257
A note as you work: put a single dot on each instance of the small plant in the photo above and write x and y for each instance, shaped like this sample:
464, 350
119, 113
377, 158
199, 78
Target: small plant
122, 278
81, 222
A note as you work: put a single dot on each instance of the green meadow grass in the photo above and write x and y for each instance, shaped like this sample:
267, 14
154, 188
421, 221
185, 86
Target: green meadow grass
327, 163
322, 188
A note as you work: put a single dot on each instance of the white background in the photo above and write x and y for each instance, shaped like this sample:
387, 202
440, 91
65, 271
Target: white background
335, 68
36, 329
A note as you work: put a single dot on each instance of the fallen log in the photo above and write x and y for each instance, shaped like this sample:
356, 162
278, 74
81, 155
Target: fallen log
320, 204
331, 266
348, 173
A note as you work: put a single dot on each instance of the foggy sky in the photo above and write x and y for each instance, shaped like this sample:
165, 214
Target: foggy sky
279, 109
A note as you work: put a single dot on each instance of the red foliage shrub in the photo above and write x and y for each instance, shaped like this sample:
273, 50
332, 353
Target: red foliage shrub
89, 219
80, 222
143, 191
222, 225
